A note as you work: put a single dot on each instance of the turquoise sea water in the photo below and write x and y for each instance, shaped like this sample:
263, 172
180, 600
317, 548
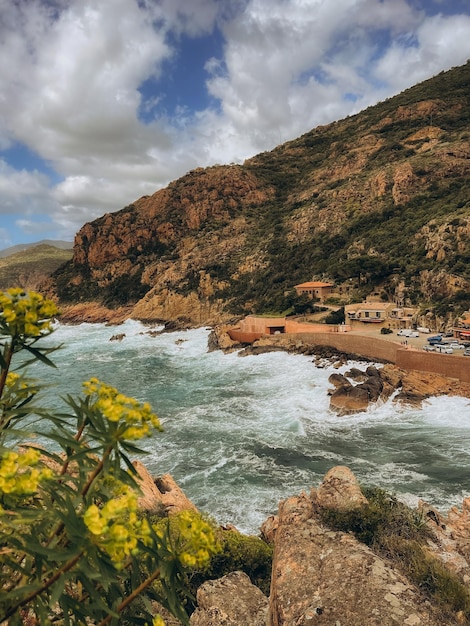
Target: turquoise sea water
241, 433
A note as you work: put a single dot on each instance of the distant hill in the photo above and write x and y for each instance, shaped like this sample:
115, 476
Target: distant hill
30, 267
379, 201
62, 245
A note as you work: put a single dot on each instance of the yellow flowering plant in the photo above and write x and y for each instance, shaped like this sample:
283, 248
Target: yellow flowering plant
74, 547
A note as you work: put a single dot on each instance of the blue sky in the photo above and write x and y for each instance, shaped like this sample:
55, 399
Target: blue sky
103, 102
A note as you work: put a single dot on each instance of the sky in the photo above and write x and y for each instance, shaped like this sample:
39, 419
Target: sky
104, 101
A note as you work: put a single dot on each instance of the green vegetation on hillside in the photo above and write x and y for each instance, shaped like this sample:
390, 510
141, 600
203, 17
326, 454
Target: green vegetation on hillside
379, 198
28, 268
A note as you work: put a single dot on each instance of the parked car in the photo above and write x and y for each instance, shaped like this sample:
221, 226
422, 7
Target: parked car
404, 332
466, 352
435, 339
429, 348
455, 345
443, 349
414, 333
423, 329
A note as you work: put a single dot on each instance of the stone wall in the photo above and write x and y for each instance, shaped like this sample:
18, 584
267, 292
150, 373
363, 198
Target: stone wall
370, 347
444, 364
376, 349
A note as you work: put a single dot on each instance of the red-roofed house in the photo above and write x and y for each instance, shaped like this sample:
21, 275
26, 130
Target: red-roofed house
318, 290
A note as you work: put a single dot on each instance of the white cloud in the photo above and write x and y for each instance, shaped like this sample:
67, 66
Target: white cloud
443, 42
70, 88
5, 240
23, 192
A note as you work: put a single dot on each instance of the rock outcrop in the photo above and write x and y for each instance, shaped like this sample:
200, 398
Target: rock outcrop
160, 495
328, 578
379, 384
230, 601
324, 577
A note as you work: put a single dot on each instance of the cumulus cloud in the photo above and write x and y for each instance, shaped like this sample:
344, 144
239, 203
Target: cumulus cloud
72, 87
24, 193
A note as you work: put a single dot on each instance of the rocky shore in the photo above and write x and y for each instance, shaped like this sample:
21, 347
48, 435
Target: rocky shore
325, 576
358, 388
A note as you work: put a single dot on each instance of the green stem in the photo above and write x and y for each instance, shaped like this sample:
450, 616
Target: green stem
96, 471
57, 532
9, 349
77, 437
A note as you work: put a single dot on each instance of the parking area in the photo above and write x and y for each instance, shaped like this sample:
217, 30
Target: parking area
417, 343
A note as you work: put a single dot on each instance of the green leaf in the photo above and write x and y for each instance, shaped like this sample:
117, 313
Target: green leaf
39, 355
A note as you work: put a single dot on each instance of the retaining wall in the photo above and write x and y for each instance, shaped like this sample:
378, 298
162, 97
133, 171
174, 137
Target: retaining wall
374, 348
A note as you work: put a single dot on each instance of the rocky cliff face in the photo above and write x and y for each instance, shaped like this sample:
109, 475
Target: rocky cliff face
381, 197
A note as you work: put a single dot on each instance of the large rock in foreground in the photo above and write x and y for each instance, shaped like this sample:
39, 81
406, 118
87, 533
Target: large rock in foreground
328, 578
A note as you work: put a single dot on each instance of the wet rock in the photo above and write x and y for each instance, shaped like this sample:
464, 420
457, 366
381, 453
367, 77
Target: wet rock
338, 380
254, 350
118, 337
219, 339
356, 374
350, 399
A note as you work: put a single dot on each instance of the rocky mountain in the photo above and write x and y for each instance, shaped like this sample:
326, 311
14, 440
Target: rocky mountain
379, 200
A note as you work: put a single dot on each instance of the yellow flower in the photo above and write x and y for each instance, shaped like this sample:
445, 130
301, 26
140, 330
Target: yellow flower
116, 527
132, 418
26, 314
18, 474
94, 521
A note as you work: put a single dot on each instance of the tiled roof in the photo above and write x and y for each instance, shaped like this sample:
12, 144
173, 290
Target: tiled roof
314, 285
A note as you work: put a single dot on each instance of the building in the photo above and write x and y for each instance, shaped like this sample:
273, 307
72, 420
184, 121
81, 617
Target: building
385, 314
317, 290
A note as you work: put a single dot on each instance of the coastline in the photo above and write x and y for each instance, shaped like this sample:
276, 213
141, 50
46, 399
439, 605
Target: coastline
433, 383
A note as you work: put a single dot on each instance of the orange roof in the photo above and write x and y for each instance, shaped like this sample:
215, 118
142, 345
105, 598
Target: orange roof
314, 285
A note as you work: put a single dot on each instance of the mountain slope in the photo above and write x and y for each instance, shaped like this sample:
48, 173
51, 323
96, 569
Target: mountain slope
29, 268
63, 245
380, 199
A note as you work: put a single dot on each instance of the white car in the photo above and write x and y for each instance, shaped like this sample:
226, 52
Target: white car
444, 349
429, 348
455, 345
414, 333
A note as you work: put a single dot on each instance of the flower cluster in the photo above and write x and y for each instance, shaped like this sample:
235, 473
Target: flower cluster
116, 527
20, 473
136, 418
25, 314
197, 542
18, 387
